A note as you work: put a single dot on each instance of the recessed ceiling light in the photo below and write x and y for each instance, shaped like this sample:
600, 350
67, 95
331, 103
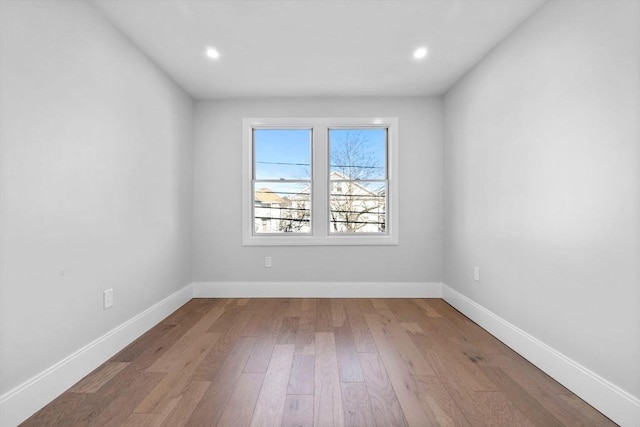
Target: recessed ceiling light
420, 53
212, 52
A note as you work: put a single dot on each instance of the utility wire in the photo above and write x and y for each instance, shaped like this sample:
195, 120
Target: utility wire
333, 166
309, 220
353, 196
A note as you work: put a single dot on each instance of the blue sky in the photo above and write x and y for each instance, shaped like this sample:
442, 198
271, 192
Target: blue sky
272, 147
286, 153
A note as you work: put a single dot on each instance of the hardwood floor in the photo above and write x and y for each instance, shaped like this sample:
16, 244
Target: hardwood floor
317, 362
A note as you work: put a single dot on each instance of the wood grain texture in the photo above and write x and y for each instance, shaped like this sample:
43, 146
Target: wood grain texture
441, 403
60, 411
270, 405
338, 313
208, 368
186, 403
288, 330
122, 404
317, 362
239, 409
302, 377
308, 304
212, 404
151, 420
266, 340
142, 344
324, 317
348, 363
178, 373
357, 406
407, 349
298, 411
428, 309
327, 395
379, 304
306, 333
98, 378
404, 384
531, 408
384, 402
495, 408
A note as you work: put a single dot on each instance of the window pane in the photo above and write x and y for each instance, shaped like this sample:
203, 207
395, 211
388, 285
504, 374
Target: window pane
282, 153
358, 154
358, 207
282, 207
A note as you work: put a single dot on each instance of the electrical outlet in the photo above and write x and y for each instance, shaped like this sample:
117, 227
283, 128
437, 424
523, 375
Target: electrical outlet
267, 262
108, 298
476, 274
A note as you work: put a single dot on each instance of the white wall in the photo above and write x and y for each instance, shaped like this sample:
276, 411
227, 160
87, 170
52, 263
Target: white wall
96, 153
218, 252
542, 183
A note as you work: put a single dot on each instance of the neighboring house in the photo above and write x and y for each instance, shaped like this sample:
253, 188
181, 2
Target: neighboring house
299, 216
354, 208
268, 211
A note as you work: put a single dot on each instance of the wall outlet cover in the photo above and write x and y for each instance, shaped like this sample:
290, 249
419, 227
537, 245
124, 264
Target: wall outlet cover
108, 298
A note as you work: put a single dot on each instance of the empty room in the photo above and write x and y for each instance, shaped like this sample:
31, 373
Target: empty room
320, 213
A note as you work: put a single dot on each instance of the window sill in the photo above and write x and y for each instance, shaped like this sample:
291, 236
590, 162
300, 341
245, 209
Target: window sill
320, 241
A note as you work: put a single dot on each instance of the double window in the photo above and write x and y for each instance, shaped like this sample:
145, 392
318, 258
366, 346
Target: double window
320, 181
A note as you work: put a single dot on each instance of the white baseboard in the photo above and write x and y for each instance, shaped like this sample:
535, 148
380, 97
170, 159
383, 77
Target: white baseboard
316, 290
615, 403
23, 401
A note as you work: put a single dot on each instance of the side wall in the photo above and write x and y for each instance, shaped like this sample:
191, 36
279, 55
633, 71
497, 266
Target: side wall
542, 184
218, 252
96, 154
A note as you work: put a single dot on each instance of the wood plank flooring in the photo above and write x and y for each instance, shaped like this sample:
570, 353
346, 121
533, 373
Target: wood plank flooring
317, 362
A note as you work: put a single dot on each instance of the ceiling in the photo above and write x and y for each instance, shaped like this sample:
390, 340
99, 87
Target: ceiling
316, 47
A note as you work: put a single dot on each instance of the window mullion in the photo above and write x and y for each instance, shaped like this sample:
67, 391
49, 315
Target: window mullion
320, 181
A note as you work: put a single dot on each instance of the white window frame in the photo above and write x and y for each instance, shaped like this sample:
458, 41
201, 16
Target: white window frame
320, 233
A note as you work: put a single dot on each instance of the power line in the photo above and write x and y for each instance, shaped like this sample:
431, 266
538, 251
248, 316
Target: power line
357, 166
284, 163
309, 220
333, 166
357, 196
283, 209
357, 222
352, 196
280, 192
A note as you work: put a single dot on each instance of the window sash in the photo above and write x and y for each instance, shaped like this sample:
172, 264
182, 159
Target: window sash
355, 163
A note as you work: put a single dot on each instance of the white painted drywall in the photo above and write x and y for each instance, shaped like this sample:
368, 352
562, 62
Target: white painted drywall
96, 153
218, 252
542, 183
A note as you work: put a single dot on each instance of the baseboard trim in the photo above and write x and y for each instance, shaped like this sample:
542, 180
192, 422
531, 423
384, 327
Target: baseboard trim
23, 401
317, 290
620, 406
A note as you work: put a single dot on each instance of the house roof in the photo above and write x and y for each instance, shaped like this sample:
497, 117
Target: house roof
266, 195
339, 176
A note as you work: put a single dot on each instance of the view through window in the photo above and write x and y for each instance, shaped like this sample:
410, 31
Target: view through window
282, 180
320, 181
358, 180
